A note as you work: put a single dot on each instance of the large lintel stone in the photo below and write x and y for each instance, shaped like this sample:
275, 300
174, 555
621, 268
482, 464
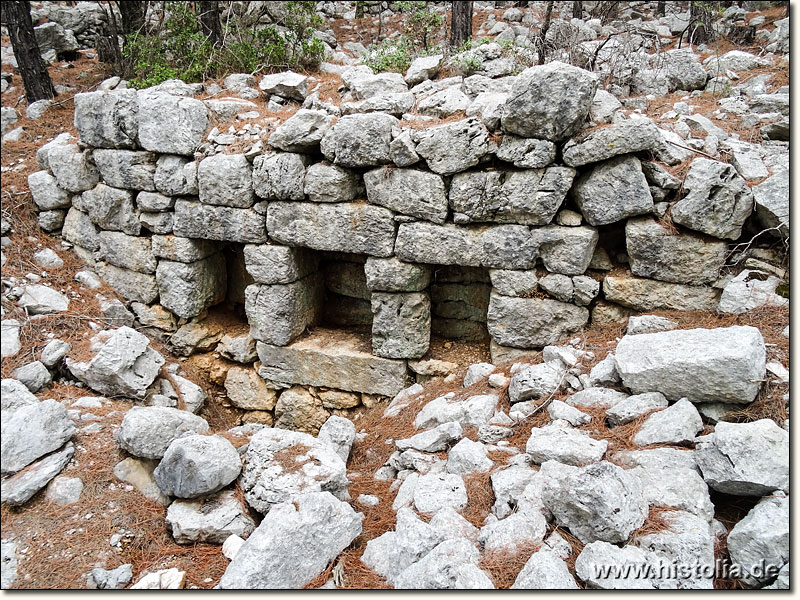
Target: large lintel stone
222, 223
532, 322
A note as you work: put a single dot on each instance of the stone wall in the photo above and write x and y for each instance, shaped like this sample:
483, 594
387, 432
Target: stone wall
525, 232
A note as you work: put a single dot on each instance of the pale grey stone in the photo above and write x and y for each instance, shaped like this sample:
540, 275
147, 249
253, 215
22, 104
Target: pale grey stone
79, 230
453, 147
64, 490
476, 372
293, 544
107, 119
187, 289
566, 250
592, 567
678, 424
360, 140
536, 381
126, 169
20, 488
176, 176
750, 290
221, 223
271, 264
109, 579
339, 433
612, 191
278, 176
182, 249
131, 285
565, 445
400, 324
127, 251
42, 300
532, 322
111, 208
705, 365
474, 411
450, 565
32, 431
772, 202
148, 431
649, 324
761, 538
468, 457
302, 131
433, 440
395, 104
526, 153
226, 180
51, 220
15, 395
287, 84
514, 532
562, 411
435, 491
393, 275
408, 191
33, 375
422, 68
325, 182
603, 107
632, 407
627, 137
545, 570
170, 124
279, 313
46, 193
196, 465
154, 202
647, 294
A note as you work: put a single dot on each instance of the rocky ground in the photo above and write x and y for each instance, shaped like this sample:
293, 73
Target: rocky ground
645, 440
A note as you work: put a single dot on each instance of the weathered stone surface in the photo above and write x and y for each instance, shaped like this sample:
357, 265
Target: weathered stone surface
434, 440
325, 182
678, 424
187, 289
453, 147
79, 230
562, 411
628, 409
287, 84
408, 191
31, 431
279, 176
153, 202
566, 250
339, 433
364, 84
513, 283
147, 431
222, 223
245, 389
46, 193
468, 457
127, 251
657, 253
344, 366
393, 275
749, 290
73, 169
123, 364
444, 103
532, 322
526, 153
529, 197
422, 68
283, 466
627, 137
536, 381
745, 459
109, 579
401, 326
718, 202
176, 176
357, 228
647, 294
704, 365
565, 445
612, 191
592, 567
107, 119
450, 565
761, 539
474, 411
181, 249
33, 375
434, 492
196, 465
111, 208
20, 488
170, 124
279, 313
15, 395
549, 101
209, 520
513, 533
293, 544
499, 246
297, 409
772, 202
649, 324
126, 169
42, 300
545, 570
10, 340
395, 104
226, 180
599, 502
131, 285
359, 140
272, 264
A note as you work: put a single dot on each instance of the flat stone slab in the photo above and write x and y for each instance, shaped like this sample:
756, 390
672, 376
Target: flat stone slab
341, 361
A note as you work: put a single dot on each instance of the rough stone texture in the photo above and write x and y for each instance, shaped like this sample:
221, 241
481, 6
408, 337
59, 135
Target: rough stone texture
170, 124
78, 229
772, 201
107, 119
181, 249
293, 544
176, 176
468, 457
565, 445
545, 570
356, 228
599, 502
187, 289
127, 251
647, 294
20, 488
283, 466
279, 313
599, 555
111, 208
649, 324
536, 381
529, 197
74, 170
223, 223
393, 275
210, 520
408, 191
109, 579
705, 365
359, 140
15, 395
287, 84
612, 191
31, 431
196, 465
450, 565
549, 101
325, 182
226, 180
245, 389
147, 431
474, 411
678, 424
339, 433
278, 176
139, 474
272, 264
46, 193
657, 253
526, 153
745, 459
126, 169
718, 202
513, 533
436, 491
761, 538
632, 407
452, 147
532, 322
630, 136
749, 290
131, 285
565, 250
433, 440
401, 324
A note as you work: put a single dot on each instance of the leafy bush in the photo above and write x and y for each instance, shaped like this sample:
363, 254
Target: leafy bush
390, 55
180, 49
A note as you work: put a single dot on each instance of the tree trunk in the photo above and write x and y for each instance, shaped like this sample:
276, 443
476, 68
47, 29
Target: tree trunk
209, 20
35, 77
460, 24
548, 16
661, 10
577, 9
359, 10
132, 14
521, 4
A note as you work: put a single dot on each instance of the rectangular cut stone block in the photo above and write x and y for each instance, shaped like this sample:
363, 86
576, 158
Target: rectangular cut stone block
159, 223
78, 229
181, 249
408, 191
346, 279
127, 251
342, 363
126, 169
514, 283
393, 275
271, 264
171, 124
279, 313
133, 286
226, 180
497, 246
401, 326
176, 176
532, 322
110, 208
529, 197
648, 294
345, 227
280, 175
154, 202
187, 289
565, 250
704, 365
107, 119
222, 223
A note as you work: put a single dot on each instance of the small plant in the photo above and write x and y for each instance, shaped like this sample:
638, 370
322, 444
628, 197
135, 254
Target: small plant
390, 55
421, 23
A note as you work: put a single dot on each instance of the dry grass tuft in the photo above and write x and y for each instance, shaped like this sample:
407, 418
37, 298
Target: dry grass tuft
503, 567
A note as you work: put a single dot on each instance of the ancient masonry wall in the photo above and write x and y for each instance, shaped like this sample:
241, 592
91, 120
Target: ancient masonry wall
367, 223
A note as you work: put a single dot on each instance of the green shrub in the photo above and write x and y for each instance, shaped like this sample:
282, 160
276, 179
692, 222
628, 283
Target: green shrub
181, 50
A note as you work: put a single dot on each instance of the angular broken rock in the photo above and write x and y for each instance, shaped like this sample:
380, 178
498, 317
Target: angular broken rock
436, 491
705, 365
31, 431
632, 407
283, 465
565, 445
339, 433
451, 565
678, 424
20, 488
545, 570
514, 532
147, 431
761, 538
745, 459
123, 364
433, 440
601, 565
196, 465
293, 544
536, 381
209, 520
